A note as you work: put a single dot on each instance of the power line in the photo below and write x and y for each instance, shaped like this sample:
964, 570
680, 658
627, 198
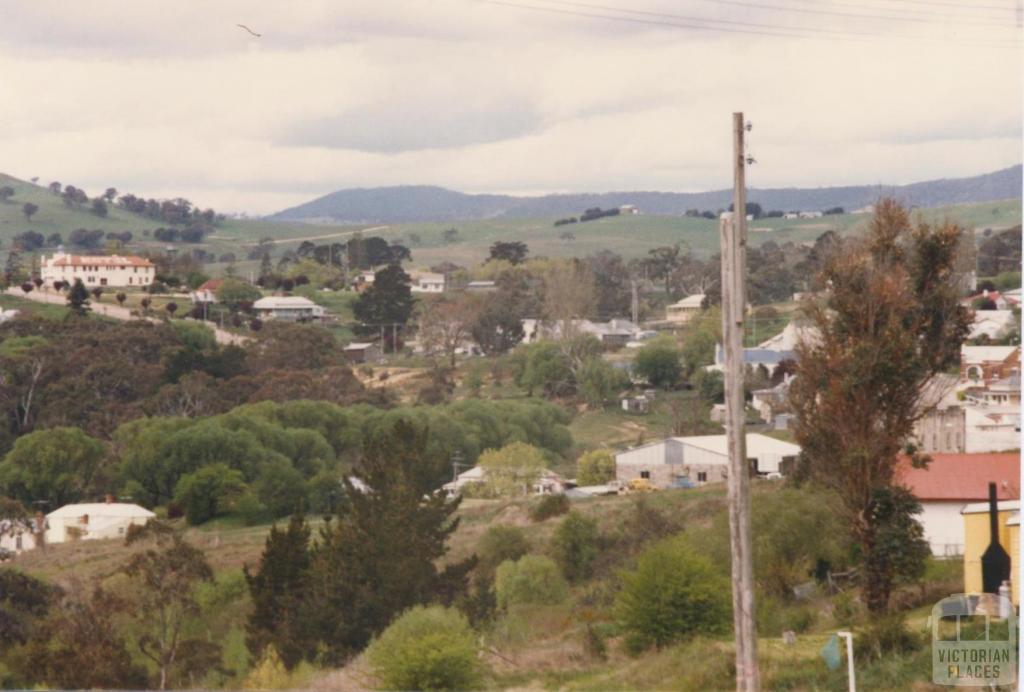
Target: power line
918, 19
839, 13
715, 21
810, 33
933, 3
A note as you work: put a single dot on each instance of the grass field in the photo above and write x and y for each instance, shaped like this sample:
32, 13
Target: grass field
30, 307
630, 236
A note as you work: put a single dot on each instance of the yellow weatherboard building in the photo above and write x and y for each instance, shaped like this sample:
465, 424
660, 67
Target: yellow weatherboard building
977, 537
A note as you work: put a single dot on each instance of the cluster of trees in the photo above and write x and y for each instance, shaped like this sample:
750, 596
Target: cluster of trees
178, 211
115, 372
568, 368
1000, 252
190, 234
160, 626
259, 461
597, 213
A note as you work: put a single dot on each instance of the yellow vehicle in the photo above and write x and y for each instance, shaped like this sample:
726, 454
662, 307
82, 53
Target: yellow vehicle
642, 485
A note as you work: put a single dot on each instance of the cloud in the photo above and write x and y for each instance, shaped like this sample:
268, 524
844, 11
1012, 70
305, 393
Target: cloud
396, 129
166, 99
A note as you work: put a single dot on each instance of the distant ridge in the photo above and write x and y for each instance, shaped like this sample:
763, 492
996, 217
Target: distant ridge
416, 203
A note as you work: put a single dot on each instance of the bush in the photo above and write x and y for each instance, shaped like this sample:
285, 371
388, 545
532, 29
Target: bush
885, 636
672, 594
427, 648
576, 546
531, 580
795, 534
775, 617
595, 468
281, 488
549, 506
659, 363
208, 492
498, 544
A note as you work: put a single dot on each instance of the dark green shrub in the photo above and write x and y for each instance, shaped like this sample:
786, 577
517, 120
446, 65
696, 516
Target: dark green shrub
575, 545
281, 488
660, 363
673, 594
208, 492
427, 648
549, 506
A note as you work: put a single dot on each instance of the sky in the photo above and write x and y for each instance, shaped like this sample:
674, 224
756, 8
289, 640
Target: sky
525, 96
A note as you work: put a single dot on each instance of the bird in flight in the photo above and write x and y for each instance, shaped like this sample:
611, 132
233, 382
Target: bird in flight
243, 26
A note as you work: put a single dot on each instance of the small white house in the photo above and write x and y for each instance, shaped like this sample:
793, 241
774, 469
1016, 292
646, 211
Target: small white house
701, 459
6, 315
290, 308
97, 270
94, 520
207, 292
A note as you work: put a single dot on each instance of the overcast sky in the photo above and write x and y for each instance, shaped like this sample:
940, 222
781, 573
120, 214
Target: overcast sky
173, 99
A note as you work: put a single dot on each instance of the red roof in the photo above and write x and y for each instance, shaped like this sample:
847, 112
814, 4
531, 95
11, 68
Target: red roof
964, 477
101, 261
210, 285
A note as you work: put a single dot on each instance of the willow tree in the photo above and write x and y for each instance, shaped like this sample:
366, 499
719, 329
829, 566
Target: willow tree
888, 323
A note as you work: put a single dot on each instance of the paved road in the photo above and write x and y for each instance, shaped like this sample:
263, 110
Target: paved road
279, 241
119, 313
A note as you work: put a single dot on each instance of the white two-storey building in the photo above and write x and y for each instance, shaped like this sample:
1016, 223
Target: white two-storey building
97, 270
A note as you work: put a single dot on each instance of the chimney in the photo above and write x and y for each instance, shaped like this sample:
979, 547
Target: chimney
109, 499
995, 563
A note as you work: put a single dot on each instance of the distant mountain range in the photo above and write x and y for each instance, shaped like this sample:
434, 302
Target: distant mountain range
415, 203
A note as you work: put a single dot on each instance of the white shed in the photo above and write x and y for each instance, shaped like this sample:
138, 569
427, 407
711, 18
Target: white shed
700, 459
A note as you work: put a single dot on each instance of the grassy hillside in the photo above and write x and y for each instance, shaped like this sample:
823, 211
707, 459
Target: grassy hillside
631, 236
544, 647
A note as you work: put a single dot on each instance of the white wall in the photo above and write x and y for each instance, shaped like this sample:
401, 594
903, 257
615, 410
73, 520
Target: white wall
943, 527
94, 275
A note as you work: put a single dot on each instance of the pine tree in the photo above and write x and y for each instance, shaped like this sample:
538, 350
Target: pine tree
388, 301
279, 588
78, 298
380, 557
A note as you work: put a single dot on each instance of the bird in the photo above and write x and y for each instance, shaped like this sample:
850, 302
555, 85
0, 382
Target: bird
243, 26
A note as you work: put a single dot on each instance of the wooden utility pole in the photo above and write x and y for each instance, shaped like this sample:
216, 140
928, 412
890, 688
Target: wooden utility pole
734, 300
634, 303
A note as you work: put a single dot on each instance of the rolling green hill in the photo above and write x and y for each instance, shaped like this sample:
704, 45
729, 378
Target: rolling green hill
631, 236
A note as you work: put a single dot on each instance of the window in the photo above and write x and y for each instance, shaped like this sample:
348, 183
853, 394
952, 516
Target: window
702, 476
645, 474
